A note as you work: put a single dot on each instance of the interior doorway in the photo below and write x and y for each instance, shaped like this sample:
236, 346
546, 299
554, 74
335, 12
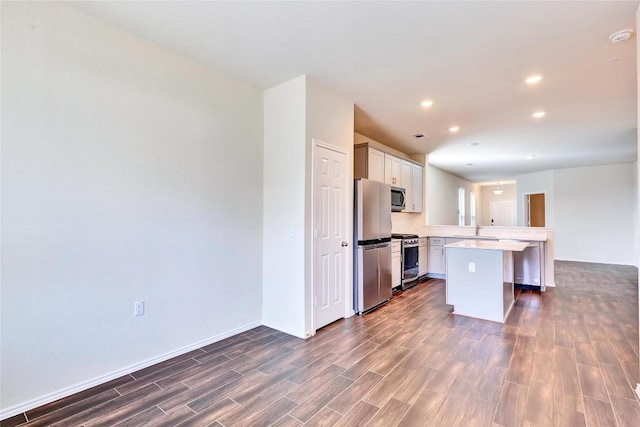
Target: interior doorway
534, 210
331, 239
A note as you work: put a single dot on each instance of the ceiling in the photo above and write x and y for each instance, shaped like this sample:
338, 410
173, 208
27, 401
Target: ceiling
470, 58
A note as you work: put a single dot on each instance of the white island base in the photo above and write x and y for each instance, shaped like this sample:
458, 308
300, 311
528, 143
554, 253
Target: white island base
480, 278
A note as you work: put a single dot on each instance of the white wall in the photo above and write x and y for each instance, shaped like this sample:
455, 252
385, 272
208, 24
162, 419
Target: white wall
128, 173
442, 197
637, 212
296, 113
636, 224
594, 208
591, 210
330, 119
283, 240
534, 183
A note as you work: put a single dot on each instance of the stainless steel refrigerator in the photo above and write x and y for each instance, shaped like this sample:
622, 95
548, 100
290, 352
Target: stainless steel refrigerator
372, 244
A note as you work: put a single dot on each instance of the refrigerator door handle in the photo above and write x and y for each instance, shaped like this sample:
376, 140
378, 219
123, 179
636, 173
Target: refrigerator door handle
376, 246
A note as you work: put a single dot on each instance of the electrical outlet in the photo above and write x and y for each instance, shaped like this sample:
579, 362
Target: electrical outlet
138, 308
472, 267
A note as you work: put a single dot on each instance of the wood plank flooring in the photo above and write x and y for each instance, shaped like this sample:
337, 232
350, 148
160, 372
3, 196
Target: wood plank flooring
567, 357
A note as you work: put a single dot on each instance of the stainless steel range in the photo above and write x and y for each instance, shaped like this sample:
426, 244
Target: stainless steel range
409, 259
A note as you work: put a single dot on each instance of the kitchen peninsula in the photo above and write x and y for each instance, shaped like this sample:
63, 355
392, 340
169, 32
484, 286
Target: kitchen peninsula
480, 278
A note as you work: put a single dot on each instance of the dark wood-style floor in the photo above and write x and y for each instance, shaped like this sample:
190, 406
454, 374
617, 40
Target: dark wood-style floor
568, 357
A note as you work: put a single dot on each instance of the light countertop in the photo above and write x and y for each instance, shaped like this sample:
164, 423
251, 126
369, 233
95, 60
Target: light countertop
531, 234
489, 245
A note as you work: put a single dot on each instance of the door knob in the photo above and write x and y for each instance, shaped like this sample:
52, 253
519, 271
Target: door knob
345, 243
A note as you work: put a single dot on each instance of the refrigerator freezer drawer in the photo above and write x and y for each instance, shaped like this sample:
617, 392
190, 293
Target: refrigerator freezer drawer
370, 278
373, 276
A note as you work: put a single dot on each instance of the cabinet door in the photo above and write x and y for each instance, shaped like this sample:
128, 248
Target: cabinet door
422, 260
436, 262
416, 187
392, 170
407, 183
396, 269
388, 169
375, 165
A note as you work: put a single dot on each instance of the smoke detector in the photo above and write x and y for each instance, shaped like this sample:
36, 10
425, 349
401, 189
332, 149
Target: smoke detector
621, 36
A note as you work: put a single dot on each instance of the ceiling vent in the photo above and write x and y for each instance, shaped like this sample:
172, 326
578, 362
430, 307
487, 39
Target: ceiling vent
621, 36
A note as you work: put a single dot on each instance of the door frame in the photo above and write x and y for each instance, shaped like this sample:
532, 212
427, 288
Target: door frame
348, 200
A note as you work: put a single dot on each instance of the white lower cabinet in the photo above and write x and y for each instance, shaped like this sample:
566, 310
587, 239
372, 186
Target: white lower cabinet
422, 256
396, 263
437, 260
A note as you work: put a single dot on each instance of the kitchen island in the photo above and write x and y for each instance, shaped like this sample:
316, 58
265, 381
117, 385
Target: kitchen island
480, 278
439, 235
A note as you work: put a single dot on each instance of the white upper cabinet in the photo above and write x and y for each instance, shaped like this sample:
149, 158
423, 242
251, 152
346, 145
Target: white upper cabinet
377, 165
375, 160
368, 163
416, 177
406, 183
392, 170
412, 182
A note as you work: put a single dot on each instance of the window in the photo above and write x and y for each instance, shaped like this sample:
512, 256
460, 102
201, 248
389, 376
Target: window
472, 207
460, 205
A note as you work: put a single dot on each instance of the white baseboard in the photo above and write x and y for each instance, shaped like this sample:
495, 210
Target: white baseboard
31, 404
299, 334
638, 390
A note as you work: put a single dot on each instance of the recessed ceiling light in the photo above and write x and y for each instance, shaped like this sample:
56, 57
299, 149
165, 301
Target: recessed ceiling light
538, 114
614, 59
454, 129
530, 156
427, 103
621, 36
533, 79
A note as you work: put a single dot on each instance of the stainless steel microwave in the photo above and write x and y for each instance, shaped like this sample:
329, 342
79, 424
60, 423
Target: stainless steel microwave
398, 196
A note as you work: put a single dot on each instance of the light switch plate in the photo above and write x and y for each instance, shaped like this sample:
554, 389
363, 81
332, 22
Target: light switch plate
472, 267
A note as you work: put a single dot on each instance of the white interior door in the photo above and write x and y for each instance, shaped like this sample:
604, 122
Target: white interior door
331, 240
502, 212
